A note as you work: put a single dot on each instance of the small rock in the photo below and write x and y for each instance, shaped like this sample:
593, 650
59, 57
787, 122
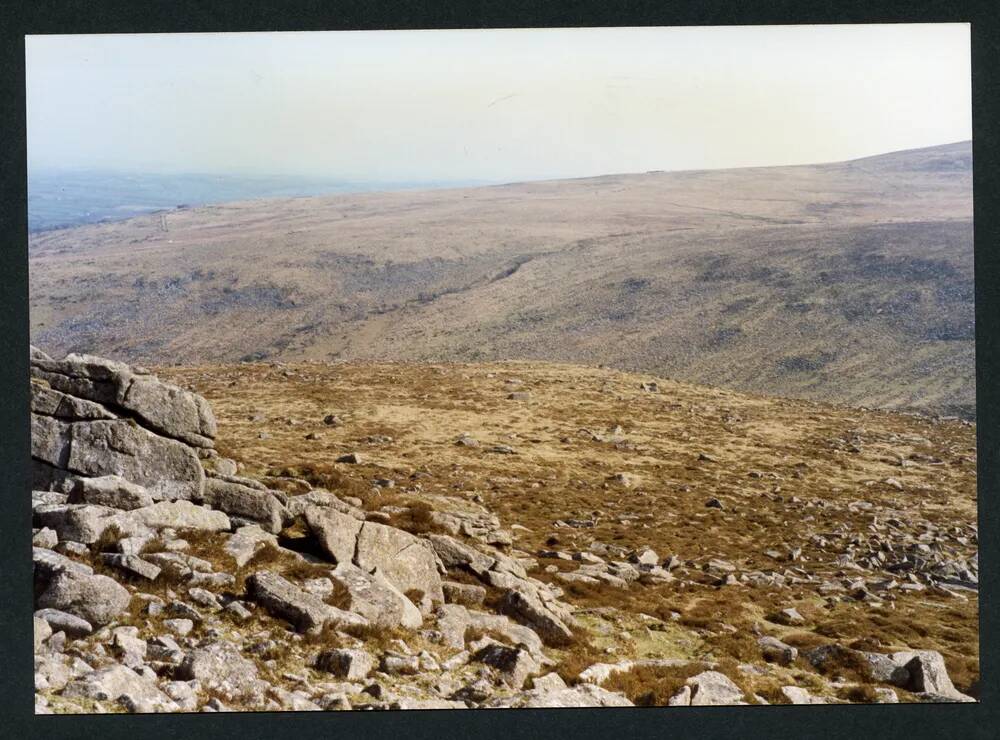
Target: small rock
179, 626
60, 621
350, 664
132, 564
789, 616
712, 688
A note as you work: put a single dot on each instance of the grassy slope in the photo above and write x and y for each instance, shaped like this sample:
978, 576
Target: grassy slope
848, 282
784, 470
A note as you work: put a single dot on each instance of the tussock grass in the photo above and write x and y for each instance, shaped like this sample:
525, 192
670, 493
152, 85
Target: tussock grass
650, 686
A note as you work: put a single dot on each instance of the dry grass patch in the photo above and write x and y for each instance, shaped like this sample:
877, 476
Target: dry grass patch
652, 686
325, 475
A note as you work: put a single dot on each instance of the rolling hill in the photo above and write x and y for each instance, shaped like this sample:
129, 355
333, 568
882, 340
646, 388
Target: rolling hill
849, 282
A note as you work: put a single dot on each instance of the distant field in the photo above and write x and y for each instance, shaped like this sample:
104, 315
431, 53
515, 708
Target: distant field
849, 282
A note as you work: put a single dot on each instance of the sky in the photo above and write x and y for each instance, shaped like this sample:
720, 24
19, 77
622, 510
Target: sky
496, 105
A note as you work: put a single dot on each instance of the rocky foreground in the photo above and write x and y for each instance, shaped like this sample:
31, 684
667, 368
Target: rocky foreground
344, 551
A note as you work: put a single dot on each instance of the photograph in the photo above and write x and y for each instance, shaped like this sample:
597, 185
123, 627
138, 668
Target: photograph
502, 369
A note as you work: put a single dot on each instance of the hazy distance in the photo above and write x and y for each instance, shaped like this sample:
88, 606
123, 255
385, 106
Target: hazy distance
496, 105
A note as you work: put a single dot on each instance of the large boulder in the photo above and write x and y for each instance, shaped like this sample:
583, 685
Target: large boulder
336, 533
530, 610
454, 620
244, 503
346, 663
306, 612
220, 668
75, 522
117, 683
91, 378
170, 410
168, 469
50, 438
176, 515
298, 505
458, 555
246, 542
47, 564
111, 491
514, 664
407, 562
373, 597
95, 598
712, 688
927, 674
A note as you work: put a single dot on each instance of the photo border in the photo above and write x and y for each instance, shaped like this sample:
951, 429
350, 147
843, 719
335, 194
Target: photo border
980, 720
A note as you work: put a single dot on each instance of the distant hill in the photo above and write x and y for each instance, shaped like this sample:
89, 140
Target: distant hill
848, 282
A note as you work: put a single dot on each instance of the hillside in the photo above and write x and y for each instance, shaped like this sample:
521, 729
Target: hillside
683, 544
849, 282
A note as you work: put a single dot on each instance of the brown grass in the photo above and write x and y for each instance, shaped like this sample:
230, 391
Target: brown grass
417, 518
649, 686
859, 694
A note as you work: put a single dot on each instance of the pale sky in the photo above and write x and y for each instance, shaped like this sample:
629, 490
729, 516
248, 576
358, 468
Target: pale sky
499, 105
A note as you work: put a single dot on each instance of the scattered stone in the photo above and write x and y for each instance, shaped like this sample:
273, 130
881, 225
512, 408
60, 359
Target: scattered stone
180, 627
60, 621
238, 610
628, 480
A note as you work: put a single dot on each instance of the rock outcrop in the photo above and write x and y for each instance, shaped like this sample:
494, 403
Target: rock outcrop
170, 579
